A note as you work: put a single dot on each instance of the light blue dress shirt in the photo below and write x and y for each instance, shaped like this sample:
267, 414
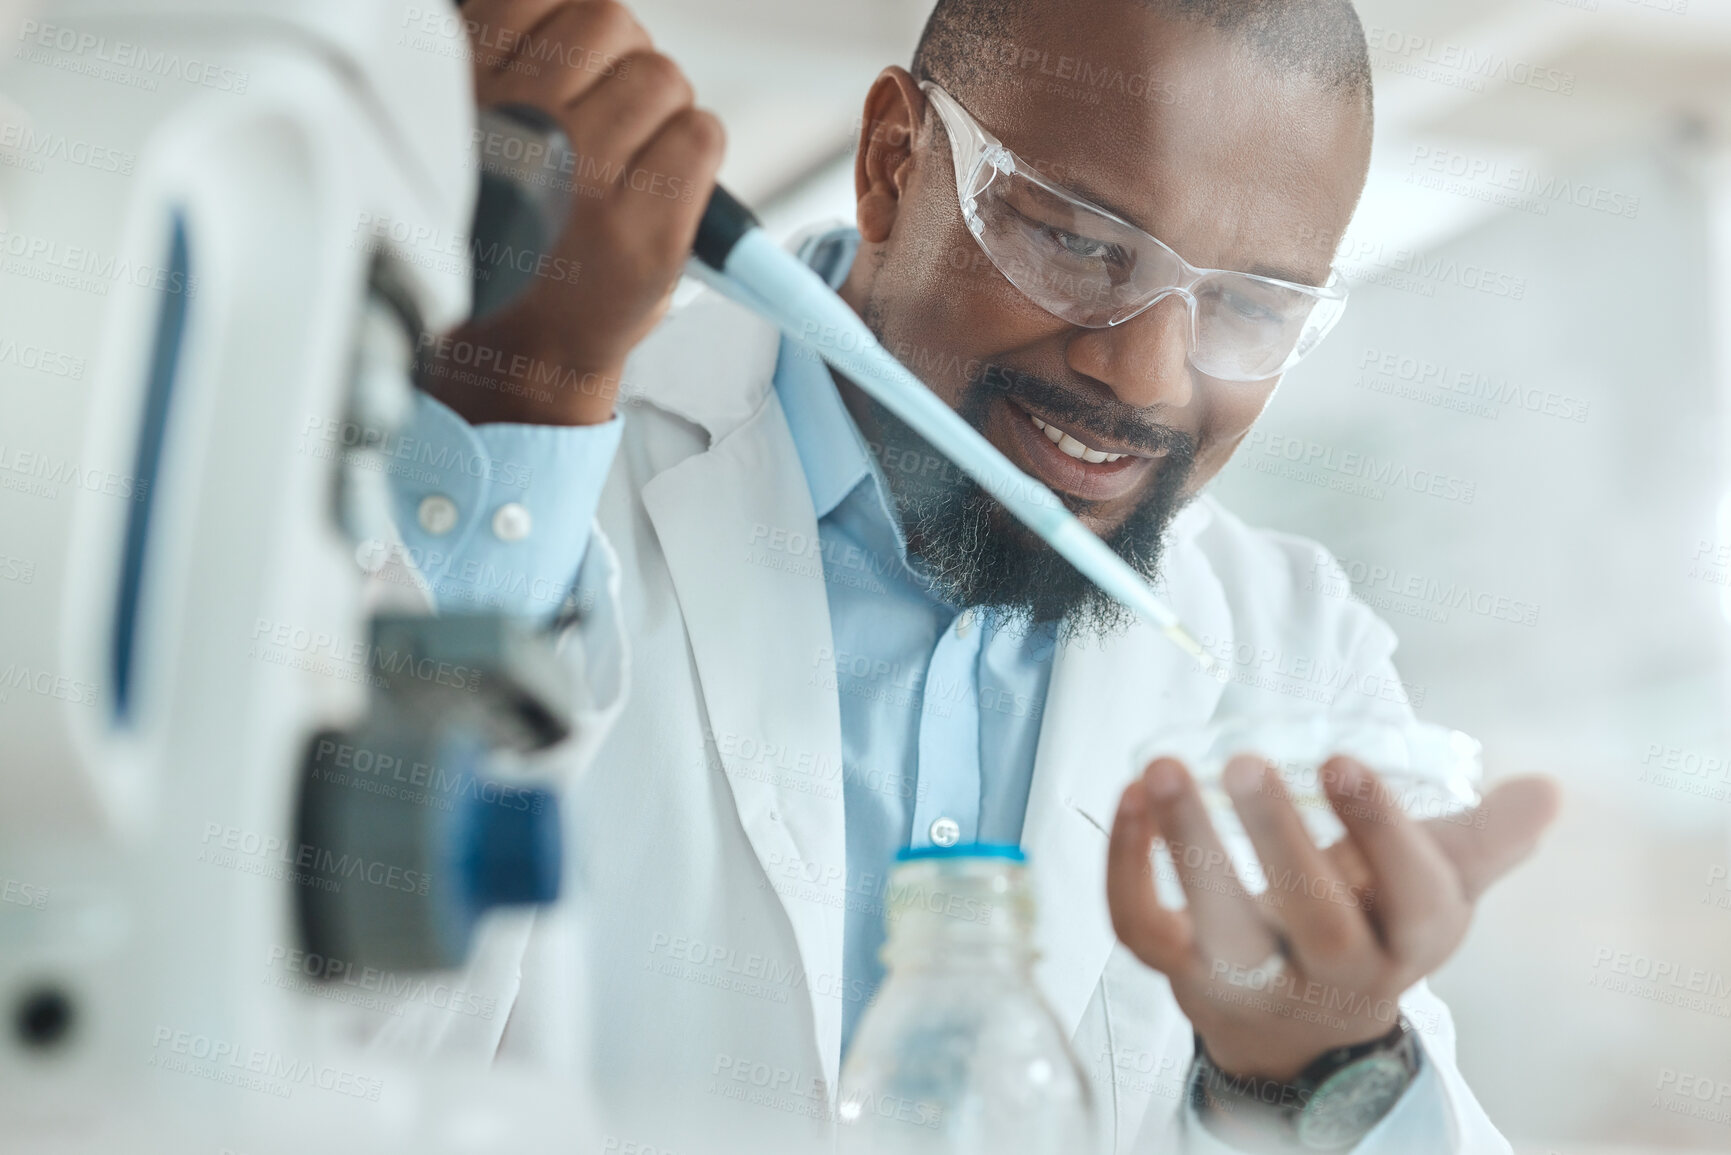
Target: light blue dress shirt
940, 711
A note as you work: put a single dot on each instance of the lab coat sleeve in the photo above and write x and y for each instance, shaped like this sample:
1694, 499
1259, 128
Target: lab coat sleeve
498, 516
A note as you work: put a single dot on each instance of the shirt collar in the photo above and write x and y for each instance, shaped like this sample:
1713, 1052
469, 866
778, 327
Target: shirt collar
831, 451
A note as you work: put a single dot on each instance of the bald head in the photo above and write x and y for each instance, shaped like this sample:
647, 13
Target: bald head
1321, 39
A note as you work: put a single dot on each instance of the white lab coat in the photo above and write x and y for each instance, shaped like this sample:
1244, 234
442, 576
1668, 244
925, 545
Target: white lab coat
693, 979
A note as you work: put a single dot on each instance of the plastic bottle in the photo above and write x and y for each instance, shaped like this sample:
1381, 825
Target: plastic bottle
959, 1053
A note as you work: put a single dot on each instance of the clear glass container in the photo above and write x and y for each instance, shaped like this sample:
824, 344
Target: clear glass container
959, 1052
1426, 770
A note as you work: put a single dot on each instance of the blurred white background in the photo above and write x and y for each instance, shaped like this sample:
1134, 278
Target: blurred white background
1542, 309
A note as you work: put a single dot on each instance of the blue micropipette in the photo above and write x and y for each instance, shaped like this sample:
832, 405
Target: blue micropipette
738, 259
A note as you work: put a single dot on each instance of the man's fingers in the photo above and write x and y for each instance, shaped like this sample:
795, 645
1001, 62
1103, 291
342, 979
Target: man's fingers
515, 15
611, 124
496, 26
1161, 938
1321, 917
671, 179
1486, 843
1420, 906
1227, 922
566, 55
1348, 864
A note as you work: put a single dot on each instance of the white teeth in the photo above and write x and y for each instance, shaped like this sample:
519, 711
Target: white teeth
1071, 446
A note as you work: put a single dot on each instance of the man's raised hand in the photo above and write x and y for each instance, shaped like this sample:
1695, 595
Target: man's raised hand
1274, 980
645, 162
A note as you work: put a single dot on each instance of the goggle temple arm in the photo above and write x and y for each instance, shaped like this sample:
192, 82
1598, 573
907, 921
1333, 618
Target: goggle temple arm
968, 146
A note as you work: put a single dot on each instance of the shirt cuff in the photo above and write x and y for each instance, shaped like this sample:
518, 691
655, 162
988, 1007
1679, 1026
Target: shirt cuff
498, 517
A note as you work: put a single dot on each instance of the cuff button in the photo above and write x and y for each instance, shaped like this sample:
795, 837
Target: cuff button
437, 514
511, 522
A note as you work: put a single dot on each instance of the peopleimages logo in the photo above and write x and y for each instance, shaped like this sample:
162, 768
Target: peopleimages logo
325, 975
1526, 188
275, 639
253, 1068
35, 147
1412, 52
1360, 259
123, 54
222, 843
428, 247
45, 684
1390, 372
46, 474
76, 267
1393, 589
1087, 77
27, 355
1363, 468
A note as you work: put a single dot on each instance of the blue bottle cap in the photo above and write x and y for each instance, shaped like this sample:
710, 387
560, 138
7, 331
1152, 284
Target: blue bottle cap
514, 853
1005, 850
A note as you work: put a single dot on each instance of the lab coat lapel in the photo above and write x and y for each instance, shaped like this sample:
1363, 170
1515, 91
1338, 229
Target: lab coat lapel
757, 631
1107, 699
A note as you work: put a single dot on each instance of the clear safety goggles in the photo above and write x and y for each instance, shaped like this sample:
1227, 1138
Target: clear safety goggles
1092, 268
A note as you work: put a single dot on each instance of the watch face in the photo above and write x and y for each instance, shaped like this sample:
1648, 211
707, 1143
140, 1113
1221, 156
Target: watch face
1351, 1102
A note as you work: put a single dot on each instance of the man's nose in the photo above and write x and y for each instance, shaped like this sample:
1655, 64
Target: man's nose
1146, 360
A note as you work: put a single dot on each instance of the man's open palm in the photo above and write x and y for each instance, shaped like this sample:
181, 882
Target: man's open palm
1271, 981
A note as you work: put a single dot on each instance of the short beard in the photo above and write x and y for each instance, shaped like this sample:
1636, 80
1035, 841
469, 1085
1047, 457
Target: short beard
975, 553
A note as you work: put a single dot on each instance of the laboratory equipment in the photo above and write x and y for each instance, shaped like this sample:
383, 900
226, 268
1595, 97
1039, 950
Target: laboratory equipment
1423, 769
959, 1054
1429, 770
225, 226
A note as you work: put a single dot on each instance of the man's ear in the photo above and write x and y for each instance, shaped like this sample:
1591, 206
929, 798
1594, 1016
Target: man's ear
894, 110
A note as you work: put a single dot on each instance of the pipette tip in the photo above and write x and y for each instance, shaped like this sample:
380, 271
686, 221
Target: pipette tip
1181, 638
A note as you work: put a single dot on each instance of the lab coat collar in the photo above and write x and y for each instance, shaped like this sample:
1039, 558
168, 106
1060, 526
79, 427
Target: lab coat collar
712, 361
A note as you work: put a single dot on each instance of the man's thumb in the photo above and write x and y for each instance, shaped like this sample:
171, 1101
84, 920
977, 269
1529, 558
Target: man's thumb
1486, 843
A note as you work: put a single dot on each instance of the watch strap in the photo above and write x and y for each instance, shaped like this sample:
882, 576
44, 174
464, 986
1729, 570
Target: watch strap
1330, 1106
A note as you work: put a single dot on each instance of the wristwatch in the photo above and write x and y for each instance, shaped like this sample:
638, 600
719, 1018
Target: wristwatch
1332, 1105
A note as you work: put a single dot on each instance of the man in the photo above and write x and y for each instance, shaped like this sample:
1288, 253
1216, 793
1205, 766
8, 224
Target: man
839, 647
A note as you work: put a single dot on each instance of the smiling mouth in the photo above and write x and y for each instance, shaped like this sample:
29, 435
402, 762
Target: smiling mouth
1073, 446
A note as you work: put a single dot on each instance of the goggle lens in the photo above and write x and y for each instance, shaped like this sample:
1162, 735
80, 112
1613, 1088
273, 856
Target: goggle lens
1087, 267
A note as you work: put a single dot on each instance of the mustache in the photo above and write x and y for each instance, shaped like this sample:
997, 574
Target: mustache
1107, 419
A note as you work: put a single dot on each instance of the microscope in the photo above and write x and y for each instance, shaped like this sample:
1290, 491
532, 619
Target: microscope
256, 798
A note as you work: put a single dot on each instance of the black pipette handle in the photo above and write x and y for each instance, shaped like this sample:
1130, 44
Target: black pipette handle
725, 220
516, 213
